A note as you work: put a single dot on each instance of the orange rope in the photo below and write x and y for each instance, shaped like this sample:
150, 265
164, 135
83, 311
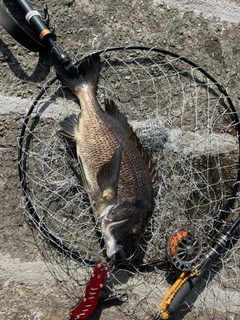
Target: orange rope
173, 290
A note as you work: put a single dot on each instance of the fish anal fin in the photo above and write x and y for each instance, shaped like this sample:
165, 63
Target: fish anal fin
112, 109
108, 176
68, 126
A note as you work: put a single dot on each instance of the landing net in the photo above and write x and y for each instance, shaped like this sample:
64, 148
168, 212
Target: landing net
188, 124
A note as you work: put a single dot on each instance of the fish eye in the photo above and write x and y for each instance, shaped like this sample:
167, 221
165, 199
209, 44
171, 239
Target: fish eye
135, 233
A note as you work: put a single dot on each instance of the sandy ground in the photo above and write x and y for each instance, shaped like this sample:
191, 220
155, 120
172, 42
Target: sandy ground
207, 33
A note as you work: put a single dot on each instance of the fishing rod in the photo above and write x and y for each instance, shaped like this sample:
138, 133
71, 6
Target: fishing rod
188, 250
212, 256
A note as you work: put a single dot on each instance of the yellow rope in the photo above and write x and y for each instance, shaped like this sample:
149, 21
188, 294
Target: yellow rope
173, 290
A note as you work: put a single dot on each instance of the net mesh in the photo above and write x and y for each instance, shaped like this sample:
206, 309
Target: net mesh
187, 126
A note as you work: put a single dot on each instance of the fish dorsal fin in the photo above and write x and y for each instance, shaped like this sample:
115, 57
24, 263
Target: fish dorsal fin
68, 126
112, 109
108, 176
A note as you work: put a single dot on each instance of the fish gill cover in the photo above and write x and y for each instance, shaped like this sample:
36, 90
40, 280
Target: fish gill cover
186, 125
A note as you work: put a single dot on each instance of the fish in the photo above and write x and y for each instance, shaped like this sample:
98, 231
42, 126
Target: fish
115, 169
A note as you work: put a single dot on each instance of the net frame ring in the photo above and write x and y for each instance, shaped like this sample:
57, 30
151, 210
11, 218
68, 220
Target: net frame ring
186, 248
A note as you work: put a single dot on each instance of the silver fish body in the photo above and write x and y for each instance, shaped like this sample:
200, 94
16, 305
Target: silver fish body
114, 166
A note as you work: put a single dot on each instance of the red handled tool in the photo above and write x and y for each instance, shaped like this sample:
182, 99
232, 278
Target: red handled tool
90, 299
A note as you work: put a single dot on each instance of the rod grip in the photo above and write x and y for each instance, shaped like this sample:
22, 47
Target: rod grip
180, 296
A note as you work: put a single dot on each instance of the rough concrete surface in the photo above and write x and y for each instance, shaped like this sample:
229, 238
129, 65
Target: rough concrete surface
207, 32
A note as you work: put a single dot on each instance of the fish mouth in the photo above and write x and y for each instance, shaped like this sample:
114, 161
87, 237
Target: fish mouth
120, 253
113, 249
116, 251
112, 246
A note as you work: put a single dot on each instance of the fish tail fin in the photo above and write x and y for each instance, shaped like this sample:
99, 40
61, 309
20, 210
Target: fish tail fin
89, 70
85, 74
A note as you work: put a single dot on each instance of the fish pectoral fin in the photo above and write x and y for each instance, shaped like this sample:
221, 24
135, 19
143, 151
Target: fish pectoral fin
108, 176
108, 193
68, 126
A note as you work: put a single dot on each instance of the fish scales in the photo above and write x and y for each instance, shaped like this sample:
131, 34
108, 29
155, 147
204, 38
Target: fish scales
103, 135
118, 182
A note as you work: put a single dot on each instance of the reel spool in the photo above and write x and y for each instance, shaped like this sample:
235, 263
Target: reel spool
186, 248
